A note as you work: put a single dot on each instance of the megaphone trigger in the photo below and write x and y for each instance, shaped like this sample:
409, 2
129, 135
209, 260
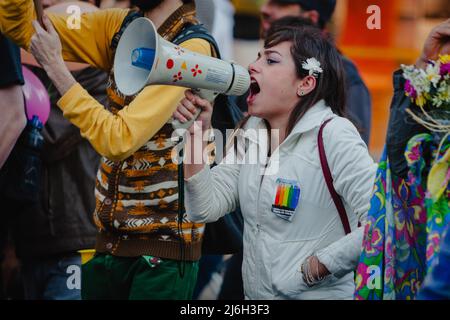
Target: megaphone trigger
206, 94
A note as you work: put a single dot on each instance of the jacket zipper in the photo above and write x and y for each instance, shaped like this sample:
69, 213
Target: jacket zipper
258, 224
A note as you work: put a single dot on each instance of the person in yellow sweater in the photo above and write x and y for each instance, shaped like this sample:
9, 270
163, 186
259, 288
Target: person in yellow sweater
144, 250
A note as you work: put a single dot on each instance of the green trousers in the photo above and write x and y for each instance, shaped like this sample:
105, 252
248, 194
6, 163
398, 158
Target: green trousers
137, 278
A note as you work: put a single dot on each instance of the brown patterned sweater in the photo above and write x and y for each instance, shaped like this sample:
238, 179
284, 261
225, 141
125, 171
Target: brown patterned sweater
137, 199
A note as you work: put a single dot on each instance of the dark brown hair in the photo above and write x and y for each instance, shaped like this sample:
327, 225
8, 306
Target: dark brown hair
308, 42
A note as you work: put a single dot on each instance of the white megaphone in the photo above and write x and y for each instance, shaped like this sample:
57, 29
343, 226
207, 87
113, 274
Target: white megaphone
144, 58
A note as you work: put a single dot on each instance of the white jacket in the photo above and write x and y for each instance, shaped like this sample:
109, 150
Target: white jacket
275, 248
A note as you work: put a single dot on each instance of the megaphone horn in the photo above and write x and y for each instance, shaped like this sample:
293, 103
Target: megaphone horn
144, 58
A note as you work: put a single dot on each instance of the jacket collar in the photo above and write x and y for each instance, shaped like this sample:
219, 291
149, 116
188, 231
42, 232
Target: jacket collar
313, 118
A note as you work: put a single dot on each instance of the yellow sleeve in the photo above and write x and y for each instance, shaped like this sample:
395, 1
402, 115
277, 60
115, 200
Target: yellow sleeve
90, 43
118, 136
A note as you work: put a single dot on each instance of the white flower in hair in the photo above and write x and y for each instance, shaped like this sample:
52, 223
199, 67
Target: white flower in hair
313, 66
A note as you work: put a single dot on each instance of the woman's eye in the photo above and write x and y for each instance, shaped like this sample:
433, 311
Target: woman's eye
270, 61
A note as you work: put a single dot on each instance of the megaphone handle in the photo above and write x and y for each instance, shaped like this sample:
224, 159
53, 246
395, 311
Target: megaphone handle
202, 93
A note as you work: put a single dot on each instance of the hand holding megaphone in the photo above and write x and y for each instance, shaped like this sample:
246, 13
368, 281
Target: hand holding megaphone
202, 93
192, 106
144, 58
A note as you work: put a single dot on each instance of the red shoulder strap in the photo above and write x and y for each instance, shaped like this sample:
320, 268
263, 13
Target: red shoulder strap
329, 181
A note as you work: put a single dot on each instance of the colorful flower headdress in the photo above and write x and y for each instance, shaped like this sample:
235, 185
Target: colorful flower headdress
313, 66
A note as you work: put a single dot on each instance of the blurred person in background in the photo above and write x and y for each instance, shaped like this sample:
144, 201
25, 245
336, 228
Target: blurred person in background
105, 4
359, 108
48, 233
12, 120
407, 219
436, 285
222, 29
12, 109
142, 238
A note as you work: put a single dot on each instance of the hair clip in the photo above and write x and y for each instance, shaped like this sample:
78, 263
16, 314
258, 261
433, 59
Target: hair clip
313, 66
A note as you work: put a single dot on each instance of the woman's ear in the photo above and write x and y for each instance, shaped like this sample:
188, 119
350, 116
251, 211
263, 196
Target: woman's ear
306, 85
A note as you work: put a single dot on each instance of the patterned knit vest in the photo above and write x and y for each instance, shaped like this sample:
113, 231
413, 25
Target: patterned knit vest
137, 199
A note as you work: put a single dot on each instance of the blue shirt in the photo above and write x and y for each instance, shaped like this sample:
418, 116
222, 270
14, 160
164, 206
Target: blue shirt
436, 285
359, 104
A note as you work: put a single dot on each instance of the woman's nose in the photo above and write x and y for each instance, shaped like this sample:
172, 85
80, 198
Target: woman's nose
252, 67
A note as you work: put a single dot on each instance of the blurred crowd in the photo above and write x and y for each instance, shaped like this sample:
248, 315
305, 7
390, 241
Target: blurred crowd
94, 207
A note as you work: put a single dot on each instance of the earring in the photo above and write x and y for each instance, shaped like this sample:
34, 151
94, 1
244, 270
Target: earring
301, 93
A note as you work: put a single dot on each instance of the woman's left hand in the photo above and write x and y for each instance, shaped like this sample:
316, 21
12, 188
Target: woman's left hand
322, 271
315, 269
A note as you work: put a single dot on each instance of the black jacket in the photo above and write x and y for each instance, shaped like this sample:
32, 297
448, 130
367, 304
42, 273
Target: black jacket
401, 127
61, 221
359, 105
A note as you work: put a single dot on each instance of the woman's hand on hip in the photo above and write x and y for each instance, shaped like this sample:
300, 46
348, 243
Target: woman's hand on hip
313, 271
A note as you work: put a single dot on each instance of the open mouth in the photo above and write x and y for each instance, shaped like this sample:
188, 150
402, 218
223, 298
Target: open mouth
254, 90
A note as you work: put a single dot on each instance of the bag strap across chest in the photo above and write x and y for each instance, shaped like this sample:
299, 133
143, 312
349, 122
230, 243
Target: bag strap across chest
329, 180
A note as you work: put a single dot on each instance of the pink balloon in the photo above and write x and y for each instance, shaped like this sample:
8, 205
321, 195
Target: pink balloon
37, 101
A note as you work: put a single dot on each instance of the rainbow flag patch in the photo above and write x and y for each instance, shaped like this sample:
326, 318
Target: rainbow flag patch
286, 198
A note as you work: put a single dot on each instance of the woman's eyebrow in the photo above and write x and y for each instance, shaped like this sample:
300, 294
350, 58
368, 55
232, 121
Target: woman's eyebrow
268, 51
